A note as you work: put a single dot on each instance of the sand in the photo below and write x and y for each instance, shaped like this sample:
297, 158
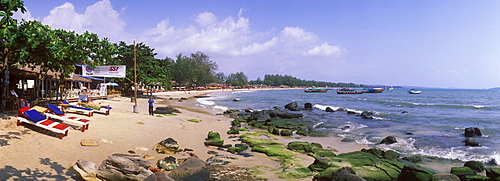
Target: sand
28, 153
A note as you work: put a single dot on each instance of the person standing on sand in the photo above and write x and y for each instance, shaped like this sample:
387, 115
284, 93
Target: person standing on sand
151, 102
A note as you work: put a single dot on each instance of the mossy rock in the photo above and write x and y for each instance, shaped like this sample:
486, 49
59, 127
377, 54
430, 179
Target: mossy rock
412, 172
413, 159
285, 132
462, 171
214, 142
194, 120
242, 129
295, 173
391, 154
259, 138
326, 174
236, 123
274, 131
274, 150
365, 165
475, 165
213, 135
320, 152
303, 147
234, 150
476, 177
233, 131
493, 172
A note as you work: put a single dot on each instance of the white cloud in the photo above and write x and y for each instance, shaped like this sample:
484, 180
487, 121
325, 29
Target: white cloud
205, 19
26, 16
99, 18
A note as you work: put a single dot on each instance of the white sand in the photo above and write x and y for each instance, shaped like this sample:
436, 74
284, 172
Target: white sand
27, 152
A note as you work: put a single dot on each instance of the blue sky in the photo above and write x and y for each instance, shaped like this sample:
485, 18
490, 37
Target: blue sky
449, 44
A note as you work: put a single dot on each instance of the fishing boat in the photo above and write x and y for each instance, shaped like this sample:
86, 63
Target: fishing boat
316, 90
413, 91
374, 90
349, 91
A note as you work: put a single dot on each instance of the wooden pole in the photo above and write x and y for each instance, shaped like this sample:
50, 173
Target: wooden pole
135, 80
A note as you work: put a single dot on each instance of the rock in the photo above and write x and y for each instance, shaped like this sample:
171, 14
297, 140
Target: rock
388, 140
274, 131
472, 131
192, 169
220, 160
412, 172
444, 177
167, 146
124, 167
89, 142
389, 154
471, 142
166, 110
290, 115
308, 106
141, 148
367, 114
148, 157
214, 139
346, 174
168, 163
131, 151
351, 112
475, 165
87, 170
303, 147
461, 172
236, 100
285, 132
413, 159
329, 109
293, 106
183, 98
493, 172
159, 176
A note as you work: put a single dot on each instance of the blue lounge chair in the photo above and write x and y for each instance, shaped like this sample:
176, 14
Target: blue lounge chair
33, 117
89, 111
56, 113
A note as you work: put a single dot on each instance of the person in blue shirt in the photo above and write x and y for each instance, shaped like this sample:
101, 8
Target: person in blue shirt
151, 102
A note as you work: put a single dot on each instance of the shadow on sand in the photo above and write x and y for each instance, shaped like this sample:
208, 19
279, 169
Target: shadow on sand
56, 172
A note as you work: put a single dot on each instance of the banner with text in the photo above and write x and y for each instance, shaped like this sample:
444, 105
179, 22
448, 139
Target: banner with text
104, 71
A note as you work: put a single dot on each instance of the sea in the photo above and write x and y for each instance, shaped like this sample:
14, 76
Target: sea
431, 123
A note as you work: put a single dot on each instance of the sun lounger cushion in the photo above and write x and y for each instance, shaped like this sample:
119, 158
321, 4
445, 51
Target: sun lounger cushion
54, 109
77, 107
34, 115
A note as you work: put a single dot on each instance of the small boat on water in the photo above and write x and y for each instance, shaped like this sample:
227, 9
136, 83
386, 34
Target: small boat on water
413, 91
316, 90
349, 91
374, 90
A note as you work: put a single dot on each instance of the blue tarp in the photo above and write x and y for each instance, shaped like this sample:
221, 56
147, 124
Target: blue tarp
88, 77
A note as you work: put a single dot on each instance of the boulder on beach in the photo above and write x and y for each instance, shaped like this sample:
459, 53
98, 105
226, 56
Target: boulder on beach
86, 169
166, 146
471, 142
213, 139
475, 165
159, 176
444, 177
192, 168
308, 106
124, 167
414, 172
166, 110
168, 163
329, 109
347, 174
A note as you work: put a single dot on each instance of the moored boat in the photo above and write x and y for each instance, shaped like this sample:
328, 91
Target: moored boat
316, 90
374, 90
349, 91
413, 91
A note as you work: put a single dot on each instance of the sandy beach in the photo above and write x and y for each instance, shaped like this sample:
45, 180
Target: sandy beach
29, 153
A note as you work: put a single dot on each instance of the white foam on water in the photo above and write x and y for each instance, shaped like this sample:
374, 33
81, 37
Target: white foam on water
322, 107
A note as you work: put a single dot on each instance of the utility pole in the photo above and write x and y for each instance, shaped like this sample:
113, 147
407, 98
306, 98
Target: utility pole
135, 81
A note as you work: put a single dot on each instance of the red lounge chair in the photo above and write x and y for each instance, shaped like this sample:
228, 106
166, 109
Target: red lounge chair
56, 113
33, 117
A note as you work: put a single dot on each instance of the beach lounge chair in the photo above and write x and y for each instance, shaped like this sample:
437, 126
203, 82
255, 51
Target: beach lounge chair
33, 117
88, 111
97, 107
56, 113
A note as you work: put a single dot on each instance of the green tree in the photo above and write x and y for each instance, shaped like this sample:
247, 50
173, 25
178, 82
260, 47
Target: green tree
237, 79
197, 69
150, 71
8, 32
221, 78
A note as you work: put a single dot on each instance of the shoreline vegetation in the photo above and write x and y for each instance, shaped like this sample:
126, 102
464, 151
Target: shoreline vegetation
247, 144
